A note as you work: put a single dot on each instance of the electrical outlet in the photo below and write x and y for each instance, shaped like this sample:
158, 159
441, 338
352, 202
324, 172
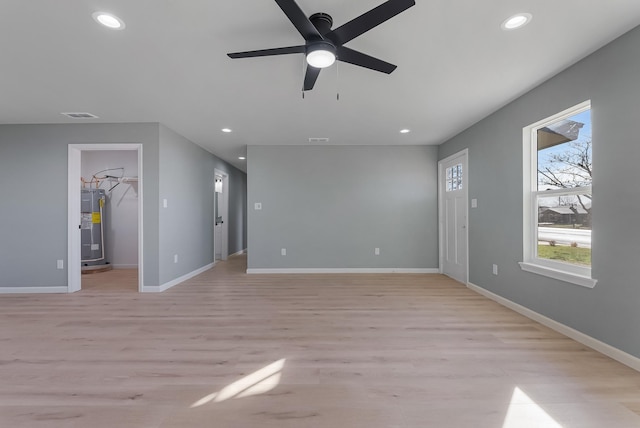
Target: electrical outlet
495, 269
175, 258
376, 251
60, 264
257, 206
283, 252
474, 203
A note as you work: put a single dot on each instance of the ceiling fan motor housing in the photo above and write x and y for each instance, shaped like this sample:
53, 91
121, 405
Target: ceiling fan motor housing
321, 45
322, 21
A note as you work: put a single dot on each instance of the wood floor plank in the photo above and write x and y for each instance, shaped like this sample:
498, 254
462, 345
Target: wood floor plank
226, 349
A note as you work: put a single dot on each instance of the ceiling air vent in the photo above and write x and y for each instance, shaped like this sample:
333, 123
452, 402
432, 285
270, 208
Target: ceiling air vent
81, 115
318, 140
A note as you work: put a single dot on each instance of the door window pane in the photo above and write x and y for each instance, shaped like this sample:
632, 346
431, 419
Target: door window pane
454, 178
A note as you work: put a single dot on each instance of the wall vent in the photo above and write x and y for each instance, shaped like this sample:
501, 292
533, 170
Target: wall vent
318, 140
80, 115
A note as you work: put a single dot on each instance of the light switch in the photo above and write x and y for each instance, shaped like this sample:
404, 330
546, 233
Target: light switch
474, 203
165, 204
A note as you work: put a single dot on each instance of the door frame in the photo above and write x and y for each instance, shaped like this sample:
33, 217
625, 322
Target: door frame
461, 154
73, 211
224, 245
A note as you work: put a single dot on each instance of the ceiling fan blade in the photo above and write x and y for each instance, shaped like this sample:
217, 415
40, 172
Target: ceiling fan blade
268, 52
310, 77
364, 60
299, 19
368, 20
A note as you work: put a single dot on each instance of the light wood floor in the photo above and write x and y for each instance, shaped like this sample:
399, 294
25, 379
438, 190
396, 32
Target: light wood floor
339, 351
115, 280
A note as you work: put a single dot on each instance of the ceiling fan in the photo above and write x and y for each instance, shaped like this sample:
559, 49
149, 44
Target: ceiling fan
324, 46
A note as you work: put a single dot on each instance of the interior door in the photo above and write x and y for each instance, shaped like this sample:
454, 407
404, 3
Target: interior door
453, 216
218, 217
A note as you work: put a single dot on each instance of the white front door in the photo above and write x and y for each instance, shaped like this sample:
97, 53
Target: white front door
453, 216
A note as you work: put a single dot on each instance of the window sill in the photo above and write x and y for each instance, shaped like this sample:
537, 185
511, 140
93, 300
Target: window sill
572, 278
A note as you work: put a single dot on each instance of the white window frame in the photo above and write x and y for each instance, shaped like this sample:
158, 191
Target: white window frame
580, 275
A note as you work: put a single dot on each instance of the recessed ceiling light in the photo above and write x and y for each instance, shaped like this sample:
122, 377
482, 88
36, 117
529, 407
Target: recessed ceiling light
405, 131
518, 20
108, 20
241, 157
227, 130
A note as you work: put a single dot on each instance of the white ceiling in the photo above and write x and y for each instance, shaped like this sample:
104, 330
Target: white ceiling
169, 65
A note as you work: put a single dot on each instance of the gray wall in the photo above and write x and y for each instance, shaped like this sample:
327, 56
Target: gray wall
33, 200
609, 312
33, 226
330, 206
186, 225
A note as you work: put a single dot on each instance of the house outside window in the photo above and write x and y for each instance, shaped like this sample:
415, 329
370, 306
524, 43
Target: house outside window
557, 199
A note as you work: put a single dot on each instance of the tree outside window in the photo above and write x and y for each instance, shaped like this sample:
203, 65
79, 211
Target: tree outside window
563, 196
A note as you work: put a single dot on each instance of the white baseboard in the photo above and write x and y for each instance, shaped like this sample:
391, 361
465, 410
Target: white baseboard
125, 266
173, 283
603, 348
33, 290
339, 270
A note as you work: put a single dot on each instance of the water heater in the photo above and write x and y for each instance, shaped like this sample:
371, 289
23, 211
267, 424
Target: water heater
92, 202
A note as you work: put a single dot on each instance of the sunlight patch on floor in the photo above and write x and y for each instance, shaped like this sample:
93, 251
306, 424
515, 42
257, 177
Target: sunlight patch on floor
258, 382
525, 413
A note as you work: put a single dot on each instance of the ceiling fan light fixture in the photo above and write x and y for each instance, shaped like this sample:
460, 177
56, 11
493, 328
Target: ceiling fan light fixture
321, 55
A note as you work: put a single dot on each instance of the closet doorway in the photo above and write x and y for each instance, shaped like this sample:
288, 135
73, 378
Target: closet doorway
116, 171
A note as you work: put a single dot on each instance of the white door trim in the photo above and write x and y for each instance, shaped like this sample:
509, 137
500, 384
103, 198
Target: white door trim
461, 154
224, 245
73, 213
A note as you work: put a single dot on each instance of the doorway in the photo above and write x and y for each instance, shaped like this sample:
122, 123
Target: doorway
75, 220
453, 213
221, 216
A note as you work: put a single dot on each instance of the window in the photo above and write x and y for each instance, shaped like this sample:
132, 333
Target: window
454, 178
558, 164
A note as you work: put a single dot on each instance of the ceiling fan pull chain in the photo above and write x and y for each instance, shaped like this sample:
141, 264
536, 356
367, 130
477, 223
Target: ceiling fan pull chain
337, 81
